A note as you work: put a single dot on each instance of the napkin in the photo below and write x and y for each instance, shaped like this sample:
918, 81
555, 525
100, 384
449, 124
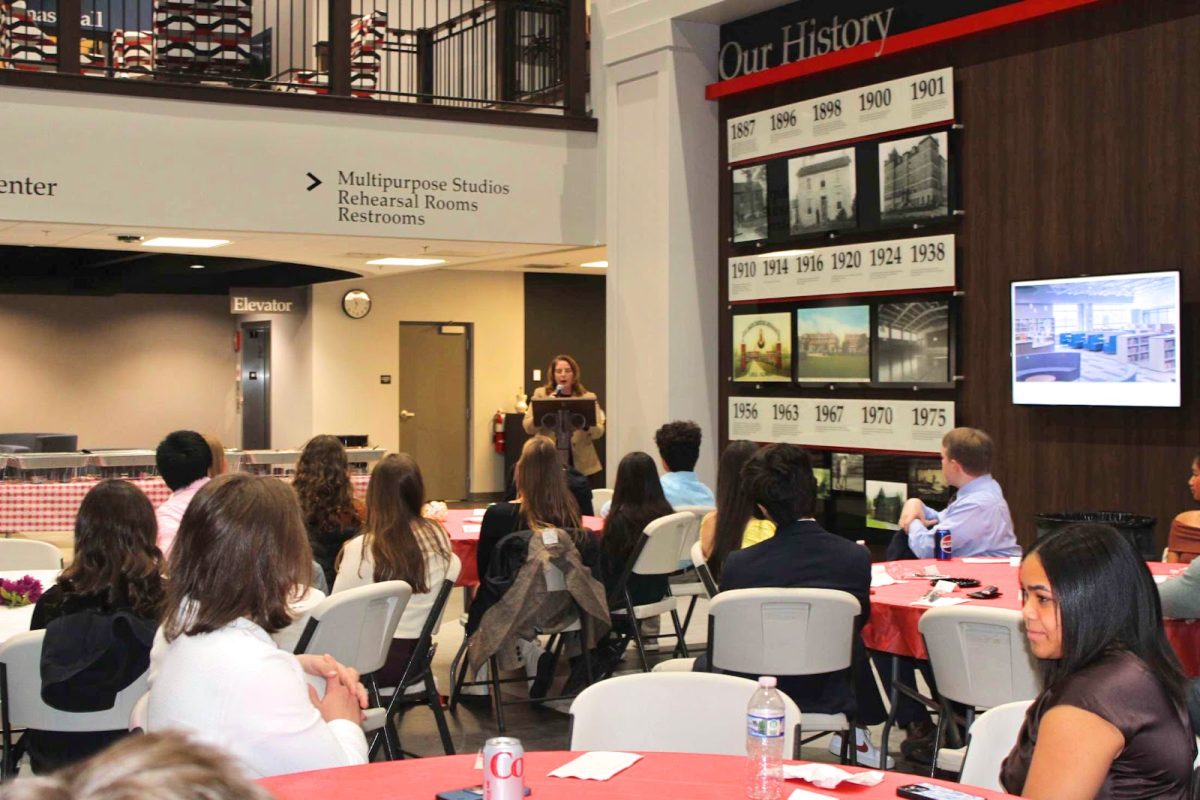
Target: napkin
804, 794
881, 578
941, 601
827, 776
985, 560
597, 765
469, 527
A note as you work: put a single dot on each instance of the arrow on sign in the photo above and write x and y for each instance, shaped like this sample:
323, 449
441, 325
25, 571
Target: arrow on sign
315, 181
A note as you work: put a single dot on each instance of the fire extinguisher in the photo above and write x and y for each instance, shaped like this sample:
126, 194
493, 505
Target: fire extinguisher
498, 431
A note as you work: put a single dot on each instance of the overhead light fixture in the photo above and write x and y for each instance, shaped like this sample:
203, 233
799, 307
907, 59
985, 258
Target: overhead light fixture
407, 262
197, 266
171, 241
785, 253
595, 264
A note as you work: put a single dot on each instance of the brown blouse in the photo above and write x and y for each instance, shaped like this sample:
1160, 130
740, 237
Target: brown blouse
1184, 539
1118, 687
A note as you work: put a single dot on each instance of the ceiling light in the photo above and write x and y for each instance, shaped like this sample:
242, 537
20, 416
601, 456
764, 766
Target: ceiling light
407, 262
170, 241
197, 266
595, 264
785, 253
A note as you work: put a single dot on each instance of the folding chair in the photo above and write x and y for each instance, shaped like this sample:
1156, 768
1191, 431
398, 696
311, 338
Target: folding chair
29, 554
683, 712
22, 707
657, 552
599, 498
980, 659
787, 632
992, 738
702, 570
356, 628
420, 671
693, 589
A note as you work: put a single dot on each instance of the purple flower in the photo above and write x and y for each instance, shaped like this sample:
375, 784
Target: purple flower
20, 592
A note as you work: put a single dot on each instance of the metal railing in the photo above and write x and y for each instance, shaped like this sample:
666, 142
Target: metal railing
501, 54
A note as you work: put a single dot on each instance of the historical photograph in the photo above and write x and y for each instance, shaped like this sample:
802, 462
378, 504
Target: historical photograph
762, 347
927, 481
833, 344
823, 477
913, 342
846, 473
885, 500
822, 192
750, 203
914, 178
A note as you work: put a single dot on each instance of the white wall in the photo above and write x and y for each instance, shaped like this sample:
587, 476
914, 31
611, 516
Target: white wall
119, 371
350, 355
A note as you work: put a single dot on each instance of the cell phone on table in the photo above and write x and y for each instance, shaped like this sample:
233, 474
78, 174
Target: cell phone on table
927, 791
471, 793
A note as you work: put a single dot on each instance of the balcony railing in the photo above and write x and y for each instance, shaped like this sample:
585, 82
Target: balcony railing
514, 55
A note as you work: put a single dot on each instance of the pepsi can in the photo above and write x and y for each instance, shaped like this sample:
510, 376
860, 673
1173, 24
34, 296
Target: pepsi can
942, 544
503, 769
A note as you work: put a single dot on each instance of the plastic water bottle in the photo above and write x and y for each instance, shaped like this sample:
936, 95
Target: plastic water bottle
764, 742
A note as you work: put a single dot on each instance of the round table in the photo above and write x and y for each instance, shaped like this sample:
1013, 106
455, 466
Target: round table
892, 627
657, 776
462, 524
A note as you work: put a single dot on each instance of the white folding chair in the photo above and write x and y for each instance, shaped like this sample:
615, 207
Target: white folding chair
29, 554
694, 589
657, 553
786, 632
22, 707
980, 658
356, 628
684, 712
599, 498
992, 738
702, 570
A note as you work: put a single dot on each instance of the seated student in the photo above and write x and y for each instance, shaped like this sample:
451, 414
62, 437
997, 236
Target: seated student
219, 464
398, 544
117, 571
214, 670
734, 524
637, 501
183, 459
1111, 721
802, 554
679, 450
332, 514
1183, 544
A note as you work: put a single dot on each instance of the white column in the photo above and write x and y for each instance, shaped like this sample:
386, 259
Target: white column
659, 138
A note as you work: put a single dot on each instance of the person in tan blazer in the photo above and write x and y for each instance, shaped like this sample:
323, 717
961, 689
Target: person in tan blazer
562, 380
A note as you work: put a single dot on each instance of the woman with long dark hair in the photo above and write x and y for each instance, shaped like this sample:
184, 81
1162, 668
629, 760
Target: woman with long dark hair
734, 524
117, 568
332, 516
1112, 704
397, 544
637, 501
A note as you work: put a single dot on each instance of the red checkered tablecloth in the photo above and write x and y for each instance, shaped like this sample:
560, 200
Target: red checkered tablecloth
34, 507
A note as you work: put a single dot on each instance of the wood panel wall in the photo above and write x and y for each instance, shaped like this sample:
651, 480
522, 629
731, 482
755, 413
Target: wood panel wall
1080, 155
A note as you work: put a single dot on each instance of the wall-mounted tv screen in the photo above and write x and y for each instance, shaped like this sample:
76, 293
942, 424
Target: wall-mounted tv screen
1101, 341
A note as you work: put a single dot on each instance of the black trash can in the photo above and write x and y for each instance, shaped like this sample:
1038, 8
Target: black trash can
1139, 530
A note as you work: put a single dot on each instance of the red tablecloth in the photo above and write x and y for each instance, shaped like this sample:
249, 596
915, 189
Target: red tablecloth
655, 777
52, 506
893, 624
463, 528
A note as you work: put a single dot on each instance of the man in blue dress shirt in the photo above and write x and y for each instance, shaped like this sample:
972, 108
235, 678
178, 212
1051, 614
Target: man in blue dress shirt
679, 449
978, 517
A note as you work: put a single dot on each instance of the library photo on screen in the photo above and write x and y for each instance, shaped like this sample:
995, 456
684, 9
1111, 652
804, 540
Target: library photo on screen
913, 342
885, 501
762, 347
846, 472
914, 177
833, 344
822, 192
750, 203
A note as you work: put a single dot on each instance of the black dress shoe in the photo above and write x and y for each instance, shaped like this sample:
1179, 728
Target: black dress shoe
918, 746
544, 676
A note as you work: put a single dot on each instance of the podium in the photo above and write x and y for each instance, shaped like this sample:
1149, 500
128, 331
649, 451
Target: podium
563, 416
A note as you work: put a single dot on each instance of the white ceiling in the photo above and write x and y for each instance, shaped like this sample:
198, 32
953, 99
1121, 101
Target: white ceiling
339, 252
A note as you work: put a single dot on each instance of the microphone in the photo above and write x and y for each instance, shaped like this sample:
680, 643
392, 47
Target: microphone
560, 390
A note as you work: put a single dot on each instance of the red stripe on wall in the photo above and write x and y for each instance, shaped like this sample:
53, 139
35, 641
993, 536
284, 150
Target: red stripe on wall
911, 40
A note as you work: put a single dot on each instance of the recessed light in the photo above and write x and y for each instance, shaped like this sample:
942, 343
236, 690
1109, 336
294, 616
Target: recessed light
197, 266
170, 241
595, 264
407, 262
785, 253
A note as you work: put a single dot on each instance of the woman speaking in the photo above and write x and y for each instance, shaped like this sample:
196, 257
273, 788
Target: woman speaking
562, 380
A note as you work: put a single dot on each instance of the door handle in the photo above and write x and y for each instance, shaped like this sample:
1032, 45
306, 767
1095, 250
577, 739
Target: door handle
406, 414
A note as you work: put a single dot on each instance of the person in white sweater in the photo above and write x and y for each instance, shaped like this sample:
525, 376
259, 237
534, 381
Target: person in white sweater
397, 544
240, 553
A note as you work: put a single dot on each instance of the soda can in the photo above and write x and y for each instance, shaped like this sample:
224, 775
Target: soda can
503, 769
942, 545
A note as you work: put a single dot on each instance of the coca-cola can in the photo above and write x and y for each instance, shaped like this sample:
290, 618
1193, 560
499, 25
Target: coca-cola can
503, 769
